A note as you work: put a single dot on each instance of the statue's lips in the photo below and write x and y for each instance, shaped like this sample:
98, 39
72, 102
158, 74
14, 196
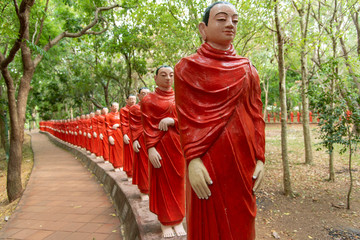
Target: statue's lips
229, 32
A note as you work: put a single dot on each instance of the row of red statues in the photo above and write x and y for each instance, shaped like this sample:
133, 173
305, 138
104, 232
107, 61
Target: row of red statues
203, 142
133, 136
276, 117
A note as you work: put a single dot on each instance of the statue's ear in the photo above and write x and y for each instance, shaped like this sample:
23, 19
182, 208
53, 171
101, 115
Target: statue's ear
202, 27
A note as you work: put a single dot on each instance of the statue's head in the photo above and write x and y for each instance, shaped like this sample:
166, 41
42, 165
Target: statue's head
164, 77
219, 24
131, 100
114, 107
98, 112
143, 92
104, 111
92, 114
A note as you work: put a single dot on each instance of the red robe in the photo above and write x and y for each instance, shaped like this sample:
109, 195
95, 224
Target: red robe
83, 131
95, 140
116, 150
128, 149
218, 99
88, 130
102, 126
140, 164
167, 190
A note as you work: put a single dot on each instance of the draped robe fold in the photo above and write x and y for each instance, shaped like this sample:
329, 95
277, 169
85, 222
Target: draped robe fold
167, 191
140, 163
218, 100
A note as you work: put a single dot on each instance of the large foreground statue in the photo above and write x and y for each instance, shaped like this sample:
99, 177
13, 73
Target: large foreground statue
219, 106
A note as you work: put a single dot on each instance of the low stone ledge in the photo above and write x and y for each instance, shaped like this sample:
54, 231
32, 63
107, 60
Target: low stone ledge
138, 223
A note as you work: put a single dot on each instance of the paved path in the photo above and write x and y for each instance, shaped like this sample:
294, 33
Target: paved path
62, 200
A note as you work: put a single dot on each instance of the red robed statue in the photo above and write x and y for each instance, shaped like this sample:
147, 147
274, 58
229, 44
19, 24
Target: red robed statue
105, 152
115, 137
167, 164
222, 132
125, 129
140, 163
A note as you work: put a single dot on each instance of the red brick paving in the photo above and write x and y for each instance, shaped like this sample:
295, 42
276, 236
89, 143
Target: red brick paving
62, 201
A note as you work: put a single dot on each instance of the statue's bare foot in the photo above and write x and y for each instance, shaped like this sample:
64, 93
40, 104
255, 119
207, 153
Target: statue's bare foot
130, 179
144, 197
117, 170
179, 230
168, 232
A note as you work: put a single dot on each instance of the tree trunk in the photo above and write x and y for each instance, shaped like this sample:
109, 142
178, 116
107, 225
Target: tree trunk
282, 87
331, 167
350, 169
2, 121
129, 73
14, 185
266, 91
2, 129
304, 87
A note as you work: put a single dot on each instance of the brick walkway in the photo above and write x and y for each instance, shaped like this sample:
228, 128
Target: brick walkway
62, 200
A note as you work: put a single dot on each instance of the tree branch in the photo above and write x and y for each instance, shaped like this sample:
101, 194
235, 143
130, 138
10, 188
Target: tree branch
42, 23
85, 30
272, 30
4, 7
295, 6
16, 8
95, 102
22, 30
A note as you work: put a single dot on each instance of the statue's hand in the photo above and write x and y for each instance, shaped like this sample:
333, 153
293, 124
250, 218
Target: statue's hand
115, 126
199, 178
154, 157
136, 146
89, 135
126, 139
80, 132
258, 174
95, 135
101, 136
111, 140
165, 122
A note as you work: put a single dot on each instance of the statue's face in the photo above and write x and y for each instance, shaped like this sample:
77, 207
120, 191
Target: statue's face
114, 107
131, 100
92, 115
221, 28
165, 78
98, 112
104, 111
143, 93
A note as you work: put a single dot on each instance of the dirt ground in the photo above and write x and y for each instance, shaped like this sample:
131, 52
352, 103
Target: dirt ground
319, 209
5, 208
317, 212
